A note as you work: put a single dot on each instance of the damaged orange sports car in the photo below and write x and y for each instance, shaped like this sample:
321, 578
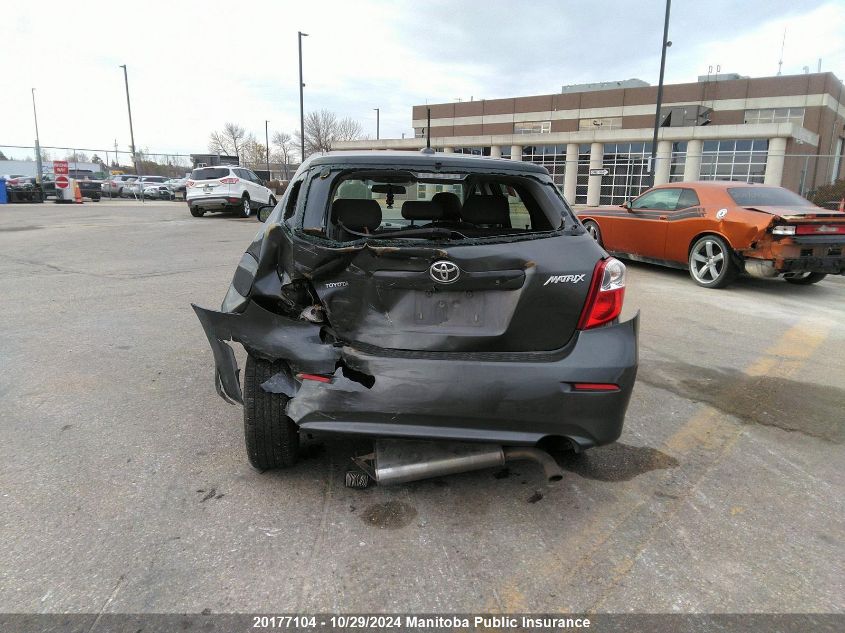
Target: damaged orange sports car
719, 229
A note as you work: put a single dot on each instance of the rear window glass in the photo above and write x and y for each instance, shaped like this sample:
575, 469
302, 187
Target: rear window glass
209, 173
767, 197
403, 202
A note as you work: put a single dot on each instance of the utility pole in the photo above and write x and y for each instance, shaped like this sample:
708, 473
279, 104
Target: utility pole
666, 44
38, 165
301, 109
267, 149
131, 130
377, 121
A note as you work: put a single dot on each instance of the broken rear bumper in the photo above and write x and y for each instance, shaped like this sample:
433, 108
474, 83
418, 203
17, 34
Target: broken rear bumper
510, 398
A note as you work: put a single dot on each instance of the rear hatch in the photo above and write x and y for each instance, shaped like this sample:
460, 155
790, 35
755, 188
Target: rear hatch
508, 297
209, 182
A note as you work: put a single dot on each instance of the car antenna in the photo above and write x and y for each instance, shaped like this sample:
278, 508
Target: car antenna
427, 149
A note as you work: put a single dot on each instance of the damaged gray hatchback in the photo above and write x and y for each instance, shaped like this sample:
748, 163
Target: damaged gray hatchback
424, 296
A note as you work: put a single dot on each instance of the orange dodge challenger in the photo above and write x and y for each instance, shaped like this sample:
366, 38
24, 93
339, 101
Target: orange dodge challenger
718, 229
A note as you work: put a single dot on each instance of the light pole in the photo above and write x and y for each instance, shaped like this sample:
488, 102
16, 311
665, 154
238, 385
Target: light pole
300, 35
267, 149
131, 130
38, 164
666, 44
377, 121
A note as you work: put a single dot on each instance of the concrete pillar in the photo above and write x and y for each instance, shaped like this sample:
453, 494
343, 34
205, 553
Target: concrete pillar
774, 161
516, 152
594, 182
448, 150
496, 151
570, 174
663, 162
692, 163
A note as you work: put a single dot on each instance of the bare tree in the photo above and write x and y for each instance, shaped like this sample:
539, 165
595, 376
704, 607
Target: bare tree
253, 153
285, 143
228, 141
323, 130
348, 130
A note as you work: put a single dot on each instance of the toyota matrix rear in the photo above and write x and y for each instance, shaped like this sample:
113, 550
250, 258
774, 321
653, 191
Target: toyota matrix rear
424, 296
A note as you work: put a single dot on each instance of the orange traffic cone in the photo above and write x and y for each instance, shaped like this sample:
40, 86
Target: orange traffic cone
77, 194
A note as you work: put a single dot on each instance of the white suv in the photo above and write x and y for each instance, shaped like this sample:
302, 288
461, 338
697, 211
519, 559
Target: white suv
224, 188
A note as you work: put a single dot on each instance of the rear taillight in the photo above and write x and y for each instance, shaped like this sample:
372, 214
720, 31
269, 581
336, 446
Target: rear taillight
229, 181
820, 229
783, 229
595, 386
606, 294
190, 183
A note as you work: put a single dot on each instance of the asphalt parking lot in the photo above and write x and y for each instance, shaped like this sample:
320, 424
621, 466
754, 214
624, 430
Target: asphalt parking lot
125, 486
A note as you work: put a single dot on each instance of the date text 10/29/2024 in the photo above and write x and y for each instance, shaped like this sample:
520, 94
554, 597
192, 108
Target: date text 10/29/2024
418, 622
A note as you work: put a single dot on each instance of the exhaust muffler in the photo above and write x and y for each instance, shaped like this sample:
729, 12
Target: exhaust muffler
400, 461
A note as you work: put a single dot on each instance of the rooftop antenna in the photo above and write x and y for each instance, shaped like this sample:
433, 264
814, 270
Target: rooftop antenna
782, 46
428, 149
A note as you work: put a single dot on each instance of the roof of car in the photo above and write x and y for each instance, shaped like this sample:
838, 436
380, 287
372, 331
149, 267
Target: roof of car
461, 161
711, 184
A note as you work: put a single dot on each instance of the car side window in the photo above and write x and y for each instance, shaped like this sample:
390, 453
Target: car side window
254, 178
659, 199
687, 199
292, 197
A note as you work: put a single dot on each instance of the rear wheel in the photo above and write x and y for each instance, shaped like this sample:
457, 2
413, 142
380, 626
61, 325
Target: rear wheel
272, 438
246, 207
804, 279
197, 213
711, 262
593, 230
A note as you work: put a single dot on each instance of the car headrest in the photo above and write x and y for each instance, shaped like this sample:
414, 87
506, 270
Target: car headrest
363, 216
451, 204
421, 210
486, 210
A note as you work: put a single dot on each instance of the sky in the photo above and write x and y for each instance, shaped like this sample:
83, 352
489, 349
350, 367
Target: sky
195, 65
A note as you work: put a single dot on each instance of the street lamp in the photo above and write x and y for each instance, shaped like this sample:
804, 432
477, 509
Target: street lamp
131, 130
666, 44
38, 164
377, 121
300, 35
267, 149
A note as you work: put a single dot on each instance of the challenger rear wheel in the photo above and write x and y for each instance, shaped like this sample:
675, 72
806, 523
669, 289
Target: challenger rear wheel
804, 279
272, 438
711, 262
593, 230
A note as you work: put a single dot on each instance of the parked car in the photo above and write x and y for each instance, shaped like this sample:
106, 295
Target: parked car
133, 189
371, 305
226, 188
158, 191
718, 229
113, 187
178, 187
92, 189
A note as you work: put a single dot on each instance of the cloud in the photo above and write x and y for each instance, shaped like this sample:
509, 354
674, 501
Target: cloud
194, 66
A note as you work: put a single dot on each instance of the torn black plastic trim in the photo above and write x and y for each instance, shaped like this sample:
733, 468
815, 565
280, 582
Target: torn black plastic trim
265, 335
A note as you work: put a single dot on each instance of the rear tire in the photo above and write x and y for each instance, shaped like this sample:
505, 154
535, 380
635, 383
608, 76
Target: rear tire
246, 207
272, 438
593, 230
804, 279
197, 213
711, 262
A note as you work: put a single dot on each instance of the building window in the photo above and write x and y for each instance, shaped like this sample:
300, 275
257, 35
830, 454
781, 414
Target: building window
552, 157
583, 177
532, 127
419, 132
678, 160
628, 175
742, 160
473, 151
775, 115
605, 123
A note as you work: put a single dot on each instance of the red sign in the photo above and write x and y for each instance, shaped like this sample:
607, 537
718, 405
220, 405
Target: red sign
60, 167
62, 181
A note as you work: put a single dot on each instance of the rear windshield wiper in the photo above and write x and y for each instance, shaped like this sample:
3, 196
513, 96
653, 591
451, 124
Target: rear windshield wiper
431, 232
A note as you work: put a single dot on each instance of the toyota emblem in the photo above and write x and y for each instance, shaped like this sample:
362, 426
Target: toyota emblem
444, 272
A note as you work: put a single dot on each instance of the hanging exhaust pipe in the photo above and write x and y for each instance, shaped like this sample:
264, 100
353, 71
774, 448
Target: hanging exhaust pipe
401, 461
